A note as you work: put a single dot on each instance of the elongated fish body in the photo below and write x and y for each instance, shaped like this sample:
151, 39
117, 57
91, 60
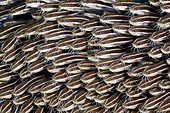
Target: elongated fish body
56, 14
114, 40
112, 18
121, 28
49, 6
123, 5
142, 20
163, 22
72, 20
73, 5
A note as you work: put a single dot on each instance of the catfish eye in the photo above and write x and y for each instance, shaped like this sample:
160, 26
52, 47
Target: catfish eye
2, 34
51, 15
43, 29
74, 68
87, 26
103, 65
66, 5
102, 53
120, 4
79, 45
101, 32
128, 58
158, 36
157, 52
141, 43
138, 8
150, 71
2, 76
52, 54
35, 68
120, 27
19, 91
65, 20
117, 66
106, 42
137, 20
108, 18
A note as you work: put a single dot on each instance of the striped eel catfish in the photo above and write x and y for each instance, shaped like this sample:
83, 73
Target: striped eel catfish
165, 8
143, 20
80, 97
19, 100
50, 87
74, 83
123, 5
101, 98
65, 43
131, 82
114, 40
34, 3
90, 25
132, 103
104, 64
6, 107
66, 59
114, 78
46, 46
58, 34
49, 6
7, 30
154, 2
93, 109
88, 76
155, 69
56, 14
121, 28
73, 69
71, 5
163, 22
72, 20
39, 101
111, 101
164, 106
27, 106
159, 36
149, 82
142, 9
23, 86
54, 69
154, 101
37, 66
140, 31
91, 95
155, 52
66, 94
164, 84
19, 9
156, 90
166, 48
112, 18
45, 27
103, 31
96, 4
